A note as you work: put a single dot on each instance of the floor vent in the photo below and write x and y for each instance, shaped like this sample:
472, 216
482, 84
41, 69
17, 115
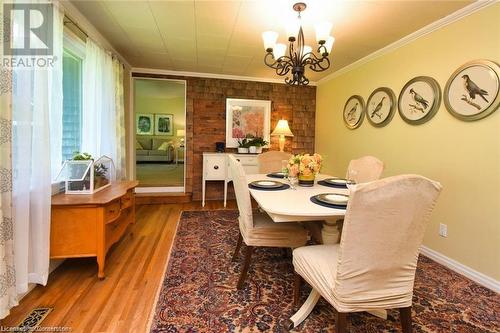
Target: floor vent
33, 320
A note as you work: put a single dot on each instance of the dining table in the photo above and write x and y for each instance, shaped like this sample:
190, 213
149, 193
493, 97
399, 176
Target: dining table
294, 204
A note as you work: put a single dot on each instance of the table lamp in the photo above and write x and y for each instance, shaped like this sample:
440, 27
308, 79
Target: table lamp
181, 133
282, 130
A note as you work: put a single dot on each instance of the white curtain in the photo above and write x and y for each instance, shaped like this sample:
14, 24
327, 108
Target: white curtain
36, 153
103, 119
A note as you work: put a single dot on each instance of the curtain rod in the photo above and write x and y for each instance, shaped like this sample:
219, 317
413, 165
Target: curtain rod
67, 20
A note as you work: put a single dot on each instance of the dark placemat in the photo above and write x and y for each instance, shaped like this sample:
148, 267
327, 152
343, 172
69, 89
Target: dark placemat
284, 187
322, 182
273, 175
324, 204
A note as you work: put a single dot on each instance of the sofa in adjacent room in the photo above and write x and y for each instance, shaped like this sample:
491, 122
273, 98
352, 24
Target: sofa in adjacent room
154, 150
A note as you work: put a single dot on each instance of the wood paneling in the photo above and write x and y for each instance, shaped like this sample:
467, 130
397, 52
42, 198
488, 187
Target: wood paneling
134, 271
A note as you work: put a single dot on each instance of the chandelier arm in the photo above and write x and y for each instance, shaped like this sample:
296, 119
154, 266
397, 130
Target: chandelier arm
317, 64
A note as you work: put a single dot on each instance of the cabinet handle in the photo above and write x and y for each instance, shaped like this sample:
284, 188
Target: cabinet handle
216, 167
238, 159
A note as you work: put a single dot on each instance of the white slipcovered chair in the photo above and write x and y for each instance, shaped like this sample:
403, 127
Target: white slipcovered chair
365, 169
270, 161
374, 265
256, 228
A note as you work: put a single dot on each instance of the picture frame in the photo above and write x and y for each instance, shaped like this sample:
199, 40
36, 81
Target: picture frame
472, 91
380, 106
353, 113
247, 117
419, 100
144, 124
164, 124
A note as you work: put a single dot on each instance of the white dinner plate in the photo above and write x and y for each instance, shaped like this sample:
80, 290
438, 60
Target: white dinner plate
333, 198
266, 184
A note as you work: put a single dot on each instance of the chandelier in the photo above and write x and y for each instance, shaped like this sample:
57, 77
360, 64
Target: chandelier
299, 55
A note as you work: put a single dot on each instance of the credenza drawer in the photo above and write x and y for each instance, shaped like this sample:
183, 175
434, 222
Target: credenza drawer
112, 211
247, 160
127, 199
214, 167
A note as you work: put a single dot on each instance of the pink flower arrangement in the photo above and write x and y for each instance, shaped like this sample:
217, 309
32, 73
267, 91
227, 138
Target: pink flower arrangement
304, 165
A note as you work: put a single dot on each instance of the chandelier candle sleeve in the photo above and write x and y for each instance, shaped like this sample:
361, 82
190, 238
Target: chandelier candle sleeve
292, 62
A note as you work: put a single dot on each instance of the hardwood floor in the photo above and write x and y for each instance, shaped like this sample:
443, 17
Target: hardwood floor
134, 269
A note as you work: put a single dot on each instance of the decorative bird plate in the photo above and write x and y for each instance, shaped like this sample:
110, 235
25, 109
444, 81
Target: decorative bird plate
354, 111
419, 100
380, 106
472, 91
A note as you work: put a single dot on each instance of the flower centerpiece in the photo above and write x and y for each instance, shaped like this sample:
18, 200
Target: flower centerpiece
305, 167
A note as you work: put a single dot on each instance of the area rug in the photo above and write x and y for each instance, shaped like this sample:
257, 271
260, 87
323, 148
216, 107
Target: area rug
199, 292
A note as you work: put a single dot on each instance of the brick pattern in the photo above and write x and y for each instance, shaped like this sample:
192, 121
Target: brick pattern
206, 119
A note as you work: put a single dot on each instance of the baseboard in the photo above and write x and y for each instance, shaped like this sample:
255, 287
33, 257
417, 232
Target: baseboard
480, 278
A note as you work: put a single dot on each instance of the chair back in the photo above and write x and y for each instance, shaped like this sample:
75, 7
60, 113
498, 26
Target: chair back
383, 229
365, 169
242, 195
270, 161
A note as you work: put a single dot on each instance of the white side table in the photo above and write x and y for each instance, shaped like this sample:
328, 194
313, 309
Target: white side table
177, 151
216, 167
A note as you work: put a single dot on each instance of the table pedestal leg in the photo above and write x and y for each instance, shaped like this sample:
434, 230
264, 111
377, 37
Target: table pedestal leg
305, 309
330, 232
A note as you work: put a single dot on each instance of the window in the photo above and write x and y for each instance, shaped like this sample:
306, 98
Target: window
72, 104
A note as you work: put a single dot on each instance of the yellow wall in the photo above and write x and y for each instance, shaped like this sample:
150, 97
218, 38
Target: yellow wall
463, 156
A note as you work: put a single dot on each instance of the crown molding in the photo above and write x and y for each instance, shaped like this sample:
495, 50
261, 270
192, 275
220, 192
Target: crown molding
436, 25
478, 277
139, 70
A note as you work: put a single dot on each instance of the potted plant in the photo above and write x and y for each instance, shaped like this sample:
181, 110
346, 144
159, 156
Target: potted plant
257, 143
305, 167
243, 146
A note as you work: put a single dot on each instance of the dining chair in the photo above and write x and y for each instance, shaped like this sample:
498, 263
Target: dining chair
270, 161
365, 169
374, 265
257, 228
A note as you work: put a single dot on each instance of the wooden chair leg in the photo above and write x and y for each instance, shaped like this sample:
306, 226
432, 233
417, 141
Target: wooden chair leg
246, 265
341, 322
296, 289
238, 246
405, 316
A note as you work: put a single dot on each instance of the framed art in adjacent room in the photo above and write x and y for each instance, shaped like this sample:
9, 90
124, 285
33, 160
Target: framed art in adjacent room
164, 124
472, 91
380, 106
247, 117
354, 111
419, 100
144, 124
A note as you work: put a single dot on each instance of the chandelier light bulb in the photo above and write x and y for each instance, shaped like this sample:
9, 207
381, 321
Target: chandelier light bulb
279, 50
292, 28
307, 51
322, 31
329, 43
269, 38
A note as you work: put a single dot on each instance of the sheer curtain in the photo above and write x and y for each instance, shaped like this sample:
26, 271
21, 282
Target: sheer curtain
37, 139
103, 118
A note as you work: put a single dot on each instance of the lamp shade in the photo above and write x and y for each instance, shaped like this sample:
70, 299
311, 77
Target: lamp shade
329, 44
181, 132
282, 128
269, 38
323, 31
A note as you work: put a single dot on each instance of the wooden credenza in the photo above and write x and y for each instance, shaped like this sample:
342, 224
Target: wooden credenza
87, 225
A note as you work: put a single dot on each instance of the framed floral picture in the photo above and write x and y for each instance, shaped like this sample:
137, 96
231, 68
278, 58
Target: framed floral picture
144, 124
380, 106
472, 91
419, 100
247, 117
164, 124
354, 111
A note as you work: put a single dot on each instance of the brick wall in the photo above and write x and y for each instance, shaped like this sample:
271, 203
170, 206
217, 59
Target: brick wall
206, 119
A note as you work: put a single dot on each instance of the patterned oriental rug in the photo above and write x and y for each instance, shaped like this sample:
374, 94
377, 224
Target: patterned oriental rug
199, 292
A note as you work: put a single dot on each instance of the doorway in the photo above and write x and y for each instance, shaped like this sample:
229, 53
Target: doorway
160, 129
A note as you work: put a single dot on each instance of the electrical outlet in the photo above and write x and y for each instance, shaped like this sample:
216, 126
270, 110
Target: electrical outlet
443, 230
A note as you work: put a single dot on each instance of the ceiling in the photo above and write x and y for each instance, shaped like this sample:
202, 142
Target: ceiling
224, 37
